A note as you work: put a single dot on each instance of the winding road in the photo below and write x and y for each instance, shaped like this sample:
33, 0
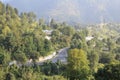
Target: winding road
61, 56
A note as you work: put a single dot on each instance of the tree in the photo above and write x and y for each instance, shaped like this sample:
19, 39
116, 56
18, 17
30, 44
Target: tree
93, 59
77, 67
69, 31
47, 45
31, 17
110, 44
1, 58
2, 73
41, 22
34, 55
55, 33
52, 23
4, 57
76, 44
10, 76
109, 72
16, 11
77, 35
20, 57
28, 75
118, 41
106, 58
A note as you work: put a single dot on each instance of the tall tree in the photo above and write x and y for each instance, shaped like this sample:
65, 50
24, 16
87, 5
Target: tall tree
77, 67
93, 59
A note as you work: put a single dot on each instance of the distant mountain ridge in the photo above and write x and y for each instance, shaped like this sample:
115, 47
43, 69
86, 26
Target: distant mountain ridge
81, 11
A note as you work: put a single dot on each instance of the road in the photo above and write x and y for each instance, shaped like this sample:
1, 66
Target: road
61, 56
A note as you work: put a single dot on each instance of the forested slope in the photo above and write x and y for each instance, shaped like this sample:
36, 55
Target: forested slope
24, 38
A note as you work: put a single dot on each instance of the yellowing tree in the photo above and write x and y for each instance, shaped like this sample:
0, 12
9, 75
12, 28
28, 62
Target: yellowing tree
77, 68
6, 30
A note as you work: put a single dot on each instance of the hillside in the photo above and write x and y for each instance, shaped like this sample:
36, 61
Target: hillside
106, 30
35, 49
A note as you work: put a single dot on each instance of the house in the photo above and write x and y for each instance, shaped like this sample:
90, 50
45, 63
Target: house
88, 38
47, 37
48, 32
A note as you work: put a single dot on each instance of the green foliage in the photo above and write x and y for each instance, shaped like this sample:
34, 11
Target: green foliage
10, 76
2, 73
1, 58
33, 55
93, 59
77, 65
21, 35
78, 40
22, 38
106, 58
118, 41
56, 77
47, 45
20, 57
69, 31
109, 72
55, 33
76, 44
50, 68
4, 57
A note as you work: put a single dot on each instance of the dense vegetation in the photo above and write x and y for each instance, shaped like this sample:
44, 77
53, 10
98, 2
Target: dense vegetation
22, 38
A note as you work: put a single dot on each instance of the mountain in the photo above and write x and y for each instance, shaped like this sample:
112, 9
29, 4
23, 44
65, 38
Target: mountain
82, 11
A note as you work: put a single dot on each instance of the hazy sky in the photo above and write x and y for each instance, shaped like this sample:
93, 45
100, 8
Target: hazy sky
83, 11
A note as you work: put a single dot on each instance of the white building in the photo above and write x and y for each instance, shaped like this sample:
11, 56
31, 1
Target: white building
48, 32
88, 38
